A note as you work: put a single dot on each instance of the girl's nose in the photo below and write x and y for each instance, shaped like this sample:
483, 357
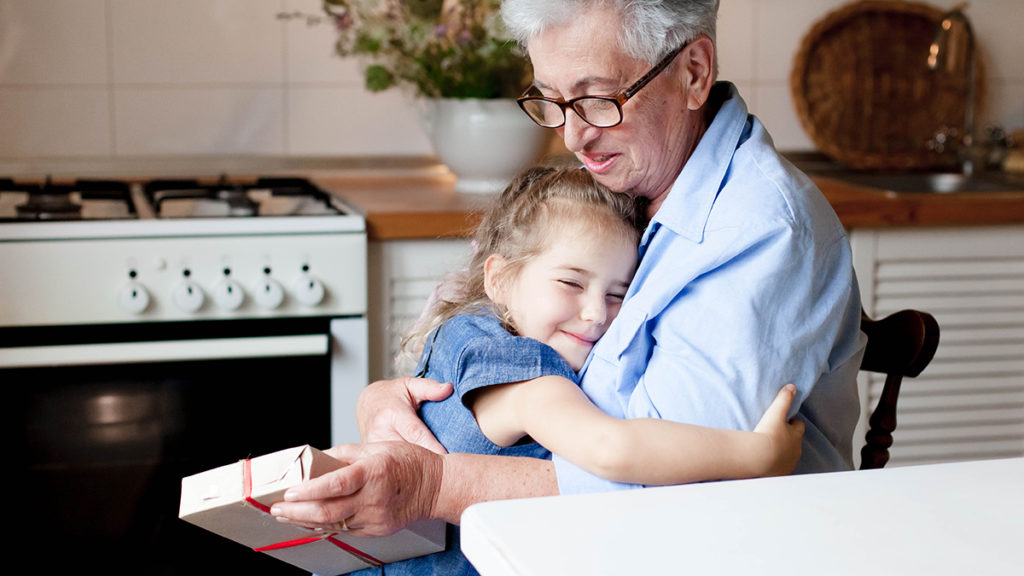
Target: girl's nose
576, 133
594, 310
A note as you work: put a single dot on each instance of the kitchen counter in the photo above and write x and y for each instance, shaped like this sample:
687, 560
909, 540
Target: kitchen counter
415, 198
863, 207
420, 206
412, 206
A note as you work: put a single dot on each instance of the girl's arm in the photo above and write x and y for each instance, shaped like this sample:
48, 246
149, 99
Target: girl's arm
555, 412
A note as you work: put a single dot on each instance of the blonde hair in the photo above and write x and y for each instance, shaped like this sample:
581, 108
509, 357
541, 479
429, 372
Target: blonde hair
517, 226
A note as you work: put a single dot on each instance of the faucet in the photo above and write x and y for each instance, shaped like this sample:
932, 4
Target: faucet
954, 45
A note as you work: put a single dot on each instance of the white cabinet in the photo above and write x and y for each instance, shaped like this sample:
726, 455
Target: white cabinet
969, 402
403, 274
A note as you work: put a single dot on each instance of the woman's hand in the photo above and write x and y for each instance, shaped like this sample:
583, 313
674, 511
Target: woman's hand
387, 411
383, 487
784, 436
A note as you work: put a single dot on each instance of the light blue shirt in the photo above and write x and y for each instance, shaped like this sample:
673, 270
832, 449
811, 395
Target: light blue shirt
745, 283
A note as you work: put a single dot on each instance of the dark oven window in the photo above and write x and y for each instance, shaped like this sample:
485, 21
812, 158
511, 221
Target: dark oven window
100, 452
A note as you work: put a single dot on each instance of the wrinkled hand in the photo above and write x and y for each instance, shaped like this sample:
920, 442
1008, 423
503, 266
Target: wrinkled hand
784, 436
386, 411
384, 487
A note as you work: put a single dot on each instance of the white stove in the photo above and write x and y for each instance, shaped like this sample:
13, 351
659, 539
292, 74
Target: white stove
112, 251
150, 330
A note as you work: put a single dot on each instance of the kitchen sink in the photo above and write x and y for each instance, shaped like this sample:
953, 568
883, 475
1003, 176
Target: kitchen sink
928, 182
914, 182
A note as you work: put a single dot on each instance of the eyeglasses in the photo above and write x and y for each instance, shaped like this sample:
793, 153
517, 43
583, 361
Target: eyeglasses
599, 111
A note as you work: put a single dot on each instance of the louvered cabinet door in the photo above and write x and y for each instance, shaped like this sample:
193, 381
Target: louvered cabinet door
403, 274
969, 402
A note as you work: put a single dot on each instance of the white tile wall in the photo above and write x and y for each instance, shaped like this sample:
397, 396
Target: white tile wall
205, 42
40, 122
737, 33
53, 43
349, 121
310, 55
186, 119
114, 79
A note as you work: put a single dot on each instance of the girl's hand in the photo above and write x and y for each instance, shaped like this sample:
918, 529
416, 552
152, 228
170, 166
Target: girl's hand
784, 436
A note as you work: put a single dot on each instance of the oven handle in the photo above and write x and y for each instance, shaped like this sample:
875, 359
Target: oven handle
164, 351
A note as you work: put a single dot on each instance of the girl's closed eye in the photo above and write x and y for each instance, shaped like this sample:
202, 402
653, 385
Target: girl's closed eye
571, 283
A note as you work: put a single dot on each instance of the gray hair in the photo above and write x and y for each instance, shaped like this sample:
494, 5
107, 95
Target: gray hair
650, 28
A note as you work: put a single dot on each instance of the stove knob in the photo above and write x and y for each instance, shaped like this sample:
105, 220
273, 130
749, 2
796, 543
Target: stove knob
308, 290
228, 294
188, 296
134, 297
268, 294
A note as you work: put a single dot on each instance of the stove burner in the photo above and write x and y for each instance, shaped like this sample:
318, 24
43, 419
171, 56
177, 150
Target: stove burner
234, 198
49, 206
50, 201
233, 195
239, 203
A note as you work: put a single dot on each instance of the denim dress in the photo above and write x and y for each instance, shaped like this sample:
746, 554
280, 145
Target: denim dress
472, 352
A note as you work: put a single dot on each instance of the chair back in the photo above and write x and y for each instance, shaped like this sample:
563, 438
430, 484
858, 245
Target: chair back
901, 344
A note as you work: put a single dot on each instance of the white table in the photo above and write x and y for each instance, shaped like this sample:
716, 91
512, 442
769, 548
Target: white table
956, 519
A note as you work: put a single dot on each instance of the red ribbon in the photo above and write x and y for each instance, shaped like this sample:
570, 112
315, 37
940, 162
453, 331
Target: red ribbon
247, 495
330, 538
247, 487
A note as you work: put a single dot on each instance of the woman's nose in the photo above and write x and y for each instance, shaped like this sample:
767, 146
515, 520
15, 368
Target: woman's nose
576, 133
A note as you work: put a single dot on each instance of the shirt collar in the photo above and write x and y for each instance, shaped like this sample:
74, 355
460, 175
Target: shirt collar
687, 206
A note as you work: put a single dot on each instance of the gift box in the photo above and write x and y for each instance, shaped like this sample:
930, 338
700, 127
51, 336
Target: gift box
234, 502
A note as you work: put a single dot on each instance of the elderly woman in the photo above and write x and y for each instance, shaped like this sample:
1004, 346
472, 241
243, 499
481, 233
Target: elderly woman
745, 278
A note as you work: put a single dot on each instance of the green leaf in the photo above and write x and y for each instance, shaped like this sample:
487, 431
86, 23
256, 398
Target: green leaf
426, 9
378, 78
366, 44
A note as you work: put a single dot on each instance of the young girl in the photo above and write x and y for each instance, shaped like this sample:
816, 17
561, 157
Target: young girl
554, 257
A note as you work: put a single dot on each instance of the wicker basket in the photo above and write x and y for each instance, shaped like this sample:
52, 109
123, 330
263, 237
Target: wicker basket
864, 93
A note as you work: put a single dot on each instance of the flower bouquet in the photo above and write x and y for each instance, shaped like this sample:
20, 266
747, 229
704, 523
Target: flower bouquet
440, 48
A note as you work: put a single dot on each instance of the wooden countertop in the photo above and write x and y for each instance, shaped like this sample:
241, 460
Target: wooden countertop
427, 206
861, 207
411, 207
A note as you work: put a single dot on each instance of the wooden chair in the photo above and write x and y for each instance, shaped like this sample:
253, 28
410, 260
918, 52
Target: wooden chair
899, 345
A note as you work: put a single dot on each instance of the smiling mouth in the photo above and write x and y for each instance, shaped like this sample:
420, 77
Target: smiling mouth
598, 163
580, 339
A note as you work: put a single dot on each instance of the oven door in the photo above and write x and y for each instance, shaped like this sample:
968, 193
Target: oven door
108, 419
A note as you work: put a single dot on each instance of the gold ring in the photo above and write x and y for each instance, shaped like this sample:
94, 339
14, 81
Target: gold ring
343, 525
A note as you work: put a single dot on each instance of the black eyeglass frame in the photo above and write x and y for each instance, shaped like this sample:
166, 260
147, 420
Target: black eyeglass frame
618, 100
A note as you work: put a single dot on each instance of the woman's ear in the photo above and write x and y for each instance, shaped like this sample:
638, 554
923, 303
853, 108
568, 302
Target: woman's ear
493, 268
699, 63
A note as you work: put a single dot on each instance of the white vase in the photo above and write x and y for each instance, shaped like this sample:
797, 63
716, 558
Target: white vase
483, 142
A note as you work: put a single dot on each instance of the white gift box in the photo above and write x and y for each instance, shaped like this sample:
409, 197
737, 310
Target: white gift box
234, 502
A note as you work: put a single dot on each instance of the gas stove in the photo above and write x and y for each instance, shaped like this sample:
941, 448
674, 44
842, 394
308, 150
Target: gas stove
153, 329
108, 251
55, 209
